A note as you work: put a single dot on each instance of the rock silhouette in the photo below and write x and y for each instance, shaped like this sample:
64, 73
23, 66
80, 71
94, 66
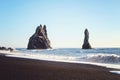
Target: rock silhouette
86, 44
4, 48
39, 40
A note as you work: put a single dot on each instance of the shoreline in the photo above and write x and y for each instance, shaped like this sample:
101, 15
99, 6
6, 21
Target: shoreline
12, 68
107, 65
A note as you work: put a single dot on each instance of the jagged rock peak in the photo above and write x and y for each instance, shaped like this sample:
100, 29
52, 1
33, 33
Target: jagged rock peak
39, 40
86, 44
44, 28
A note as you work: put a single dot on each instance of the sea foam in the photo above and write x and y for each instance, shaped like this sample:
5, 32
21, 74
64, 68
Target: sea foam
107, 58
115, 72
103, 58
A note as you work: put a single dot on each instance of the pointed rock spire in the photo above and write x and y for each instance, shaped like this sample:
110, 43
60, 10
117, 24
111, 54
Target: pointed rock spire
39, 40
86, 44
44, 28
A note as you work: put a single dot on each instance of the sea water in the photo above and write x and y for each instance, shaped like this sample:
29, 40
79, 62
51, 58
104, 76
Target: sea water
107, 57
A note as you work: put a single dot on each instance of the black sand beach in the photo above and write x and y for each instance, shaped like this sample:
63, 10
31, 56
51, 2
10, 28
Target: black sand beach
28, 69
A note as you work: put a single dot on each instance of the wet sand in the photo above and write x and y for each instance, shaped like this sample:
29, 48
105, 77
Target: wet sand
28, 69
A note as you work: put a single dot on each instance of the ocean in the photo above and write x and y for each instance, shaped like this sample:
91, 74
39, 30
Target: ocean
107, 57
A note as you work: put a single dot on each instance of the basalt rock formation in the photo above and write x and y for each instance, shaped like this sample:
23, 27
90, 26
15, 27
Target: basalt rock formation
86, 44
39, 40
4, 48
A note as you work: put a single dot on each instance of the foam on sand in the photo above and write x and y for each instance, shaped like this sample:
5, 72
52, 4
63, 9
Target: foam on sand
93, 59
116, 72
4, 52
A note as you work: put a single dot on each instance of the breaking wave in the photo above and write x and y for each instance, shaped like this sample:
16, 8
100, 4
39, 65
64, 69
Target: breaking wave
108, 57
103, 58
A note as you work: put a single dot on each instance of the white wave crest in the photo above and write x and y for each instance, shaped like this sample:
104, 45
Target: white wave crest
43, 56
104, 58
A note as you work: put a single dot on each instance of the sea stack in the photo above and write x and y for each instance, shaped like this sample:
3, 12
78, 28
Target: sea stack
86, 44
39, 40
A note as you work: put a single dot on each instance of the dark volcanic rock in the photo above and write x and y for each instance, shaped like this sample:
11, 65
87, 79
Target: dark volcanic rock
11, 49
86, 44
39, 40
4, 48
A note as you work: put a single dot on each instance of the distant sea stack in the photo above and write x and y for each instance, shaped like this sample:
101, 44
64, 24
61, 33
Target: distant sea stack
39, 40
86, 44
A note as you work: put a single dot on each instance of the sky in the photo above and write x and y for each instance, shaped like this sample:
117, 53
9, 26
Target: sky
66, 21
